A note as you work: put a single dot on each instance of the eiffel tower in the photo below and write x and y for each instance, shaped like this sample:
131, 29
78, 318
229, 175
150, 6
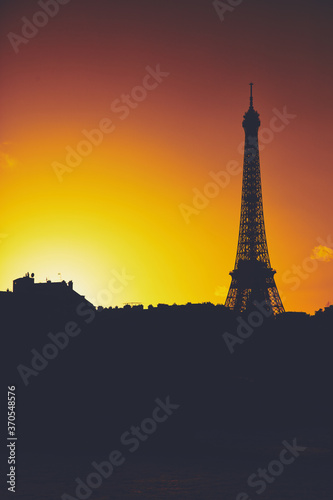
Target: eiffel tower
253, 277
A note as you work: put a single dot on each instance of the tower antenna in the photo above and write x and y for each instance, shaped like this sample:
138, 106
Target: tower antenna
251, 96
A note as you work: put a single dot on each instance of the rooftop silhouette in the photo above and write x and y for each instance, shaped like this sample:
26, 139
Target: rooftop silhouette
27, 290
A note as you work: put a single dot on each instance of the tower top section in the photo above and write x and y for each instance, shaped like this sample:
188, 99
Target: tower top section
251, 121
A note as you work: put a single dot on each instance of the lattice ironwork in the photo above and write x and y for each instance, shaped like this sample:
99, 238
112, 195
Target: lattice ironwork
253, 277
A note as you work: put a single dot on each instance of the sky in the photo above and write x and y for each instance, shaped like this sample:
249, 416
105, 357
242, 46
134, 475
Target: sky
121, 145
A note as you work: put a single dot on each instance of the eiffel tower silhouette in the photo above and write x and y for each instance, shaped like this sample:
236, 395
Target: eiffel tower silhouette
253, 277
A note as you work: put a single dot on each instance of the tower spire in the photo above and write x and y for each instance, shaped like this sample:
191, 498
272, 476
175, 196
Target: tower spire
251, 96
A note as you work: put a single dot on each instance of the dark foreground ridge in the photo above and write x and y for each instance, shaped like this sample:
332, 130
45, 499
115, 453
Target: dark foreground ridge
84, 376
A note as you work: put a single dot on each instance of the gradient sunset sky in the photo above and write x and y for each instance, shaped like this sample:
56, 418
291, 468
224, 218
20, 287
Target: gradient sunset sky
121, 209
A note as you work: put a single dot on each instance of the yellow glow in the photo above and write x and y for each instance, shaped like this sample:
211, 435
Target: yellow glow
323, 253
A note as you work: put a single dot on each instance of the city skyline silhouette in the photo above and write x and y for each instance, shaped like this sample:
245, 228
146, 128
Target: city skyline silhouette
253, 277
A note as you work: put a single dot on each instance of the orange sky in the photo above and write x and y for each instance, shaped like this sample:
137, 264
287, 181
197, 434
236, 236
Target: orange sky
119, 209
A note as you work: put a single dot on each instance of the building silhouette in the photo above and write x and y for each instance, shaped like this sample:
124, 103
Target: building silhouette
253, 277
26, 290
